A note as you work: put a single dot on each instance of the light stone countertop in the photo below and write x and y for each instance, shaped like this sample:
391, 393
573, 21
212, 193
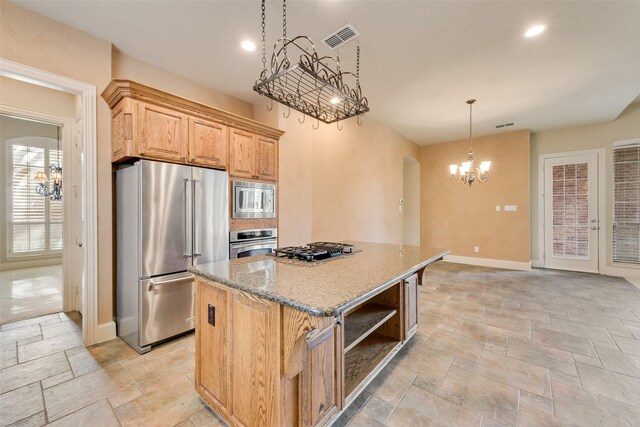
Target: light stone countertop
324, 288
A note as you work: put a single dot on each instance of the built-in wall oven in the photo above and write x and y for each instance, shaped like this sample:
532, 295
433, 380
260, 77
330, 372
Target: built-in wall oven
253, 200
252, 242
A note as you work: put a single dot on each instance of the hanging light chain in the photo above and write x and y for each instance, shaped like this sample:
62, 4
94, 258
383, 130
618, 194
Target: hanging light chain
284, 25
358, 65
264, 40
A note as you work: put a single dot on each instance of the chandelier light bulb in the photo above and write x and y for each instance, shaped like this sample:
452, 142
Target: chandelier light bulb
335, 100
484, 166
453, 169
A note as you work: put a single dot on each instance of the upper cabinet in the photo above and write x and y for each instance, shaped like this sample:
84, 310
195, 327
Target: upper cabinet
267, 158
148, 123
252, 156
207, 143
163, 133
242, 154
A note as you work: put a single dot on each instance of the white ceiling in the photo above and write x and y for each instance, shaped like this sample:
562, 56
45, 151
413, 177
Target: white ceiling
421, 60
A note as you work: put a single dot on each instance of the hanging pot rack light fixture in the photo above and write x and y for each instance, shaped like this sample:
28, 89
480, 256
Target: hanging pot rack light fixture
466, 172
304, 81
51, 189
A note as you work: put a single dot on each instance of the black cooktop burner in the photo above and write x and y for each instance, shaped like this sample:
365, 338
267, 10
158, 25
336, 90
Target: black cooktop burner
314, 251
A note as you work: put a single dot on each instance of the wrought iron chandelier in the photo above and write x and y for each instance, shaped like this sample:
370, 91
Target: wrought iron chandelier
311, 84
466, 172
51, 189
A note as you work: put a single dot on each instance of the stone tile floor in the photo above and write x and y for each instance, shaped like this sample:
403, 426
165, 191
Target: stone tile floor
30, 292
495, 348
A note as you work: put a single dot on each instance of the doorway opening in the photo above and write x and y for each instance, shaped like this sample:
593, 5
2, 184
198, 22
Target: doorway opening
410, 202
40, 207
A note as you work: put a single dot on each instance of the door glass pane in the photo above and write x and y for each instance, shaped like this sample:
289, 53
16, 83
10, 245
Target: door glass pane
570, 200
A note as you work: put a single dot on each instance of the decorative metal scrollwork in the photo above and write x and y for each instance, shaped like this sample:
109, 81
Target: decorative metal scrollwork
311, 84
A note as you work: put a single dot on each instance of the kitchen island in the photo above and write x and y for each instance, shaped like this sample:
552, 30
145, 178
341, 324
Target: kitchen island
283, 342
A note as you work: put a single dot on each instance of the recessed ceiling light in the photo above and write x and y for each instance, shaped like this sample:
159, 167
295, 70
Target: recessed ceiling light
335, 100
248, 45
534, 31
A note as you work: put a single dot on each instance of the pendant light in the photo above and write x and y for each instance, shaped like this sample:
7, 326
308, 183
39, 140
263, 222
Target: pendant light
53, 188
466, 172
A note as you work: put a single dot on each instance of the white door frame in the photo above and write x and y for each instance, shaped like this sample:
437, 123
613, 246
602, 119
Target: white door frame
66, 131
87, 93
602, 197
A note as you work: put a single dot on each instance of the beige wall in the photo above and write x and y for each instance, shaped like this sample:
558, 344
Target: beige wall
357, 182
601, 135
27, 96
338, 185
456, 217
31, 39
129, 68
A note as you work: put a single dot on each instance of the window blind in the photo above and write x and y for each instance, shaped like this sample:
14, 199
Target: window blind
626, 203
35, 222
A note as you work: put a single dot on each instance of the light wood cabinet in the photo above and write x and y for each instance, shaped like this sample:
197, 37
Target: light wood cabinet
320, 378
259, 363
254, 361
163, 133
252, 156
241, 154
149, 123
207, 143
267, 158
212, 338
237, 355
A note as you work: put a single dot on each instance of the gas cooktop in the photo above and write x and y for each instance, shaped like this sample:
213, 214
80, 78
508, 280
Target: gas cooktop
314, 251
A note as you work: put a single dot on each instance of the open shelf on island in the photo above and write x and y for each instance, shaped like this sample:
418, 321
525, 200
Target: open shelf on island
364, 358
361, 322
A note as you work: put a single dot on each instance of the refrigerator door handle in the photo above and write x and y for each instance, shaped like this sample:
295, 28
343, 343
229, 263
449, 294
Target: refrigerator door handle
187, 212
196, 218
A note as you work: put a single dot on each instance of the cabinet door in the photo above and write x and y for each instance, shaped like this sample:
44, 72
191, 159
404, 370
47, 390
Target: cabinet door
212, 342
255, 359
241, 154
163, 133
320, 376
267, 153
207, 143
411, 305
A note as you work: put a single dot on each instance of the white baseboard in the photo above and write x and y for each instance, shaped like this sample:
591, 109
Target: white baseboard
622, 271
105, 332
488, 262
537, 263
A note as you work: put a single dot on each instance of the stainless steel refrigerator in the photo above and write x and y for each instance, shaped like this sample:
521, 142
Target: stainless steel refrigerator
168, 218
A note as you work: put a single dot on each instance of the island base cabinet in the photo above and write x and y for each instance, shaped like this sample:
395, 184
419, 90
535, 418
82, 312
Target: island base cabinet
237, 355
260, 363
411, 305
211, 341
319, 379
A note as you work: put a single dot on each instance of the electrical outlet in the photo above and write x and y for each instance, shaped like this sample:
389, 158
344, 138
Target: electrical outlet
476, 249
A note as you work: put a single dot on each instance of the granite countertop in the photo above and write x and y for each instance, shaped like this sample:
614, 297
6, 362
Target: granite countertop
325, 288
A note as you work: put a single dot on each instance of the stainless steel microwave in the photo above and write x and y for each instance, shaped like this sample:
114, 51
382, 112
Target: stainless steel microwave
253, 200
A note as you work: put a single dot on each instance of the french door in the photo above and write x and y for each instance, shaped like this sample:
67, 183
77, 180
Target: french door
571, 220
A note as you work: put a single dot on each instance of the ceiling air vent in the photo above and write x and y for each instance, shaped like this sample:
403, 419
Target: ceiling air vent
504, 125
341, 36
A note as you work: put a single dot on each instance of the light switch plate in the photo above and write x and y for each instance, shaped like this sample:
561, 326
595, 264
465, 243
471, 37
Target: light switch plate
497, 208
510, 208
